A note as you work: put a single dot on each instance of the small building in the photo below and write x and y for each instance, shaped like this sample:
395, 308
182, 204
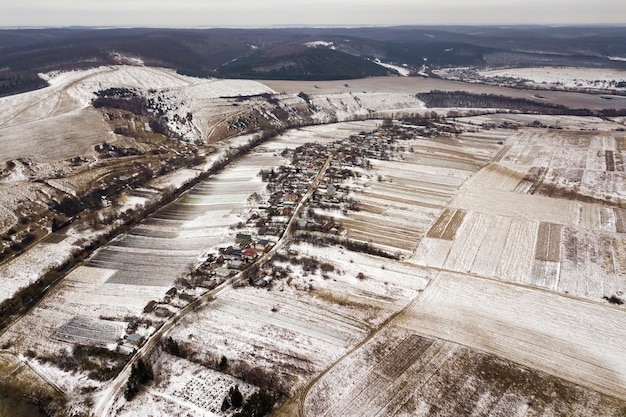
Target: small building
150, 306
134, 339
291, 198
209, 284
249, 254
242, 237
186, 296
171, 292
262, 244
162, 312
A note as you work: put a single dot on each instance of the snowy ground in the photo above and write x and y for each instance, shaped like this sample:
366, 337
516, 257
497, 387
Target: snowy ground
566, 181
537, 210
572, 339
559, 78
593, 78
182, 388
58, 115
121, 278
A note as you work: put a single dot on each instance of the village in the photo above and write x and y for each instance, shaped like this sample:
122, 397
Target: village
272, 213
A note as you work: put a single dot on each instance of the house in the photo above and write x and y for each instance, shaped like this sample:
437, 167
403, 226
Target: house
291, 198
249, 254
186, 297
134, 339
162, 312
150, 306
171, 292
241, 237
262, 244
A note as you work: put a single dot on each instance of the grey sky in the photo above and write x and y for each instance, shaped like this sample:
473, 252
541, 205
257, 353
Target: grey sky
211, 13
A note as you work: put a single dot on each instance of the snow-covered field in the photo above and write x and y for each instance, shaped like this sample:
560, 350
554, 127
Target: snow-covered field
509, 239
400, 199
593, 78
561, 181
500, 224
400, 372
58, 122
299, 326
572, 339
559, 78
121, 278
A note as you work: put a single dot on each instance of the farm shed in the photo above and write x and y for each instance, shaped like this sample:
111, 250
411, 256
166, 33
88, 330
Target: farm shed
162, 312
134, 339
186, 297
150, 306
209, 283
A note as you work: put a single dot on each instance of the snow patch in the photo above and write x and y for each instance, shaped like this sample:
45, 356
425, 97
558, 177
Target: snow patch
402, 70
321, 44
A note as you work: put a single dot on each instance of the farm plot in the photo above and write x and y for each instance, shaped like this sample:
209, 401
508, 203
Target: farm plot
494, 246
295, 343
591, 167
593, 264
575, 340
397, 209
384, 284
447, 224
569, 259
548, 247
304, 322
502, 176
319, 134
542, 148
511, 232
401, 373
163, 246
472, 196
87, 331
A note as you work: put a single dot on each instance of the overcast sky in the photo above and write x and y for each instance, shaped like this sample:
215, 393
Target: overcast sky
244, 13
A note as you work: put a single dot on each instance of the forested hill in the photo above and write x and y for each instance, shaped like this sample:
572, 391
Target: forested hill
300, 53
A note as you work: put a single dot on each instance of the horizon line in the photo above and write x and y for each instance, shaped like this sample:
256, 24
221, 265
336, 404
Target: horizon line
312, 26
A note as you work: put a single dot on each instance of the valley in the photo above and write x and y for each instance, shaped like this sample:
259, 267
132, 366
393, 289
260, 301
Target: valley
338, 244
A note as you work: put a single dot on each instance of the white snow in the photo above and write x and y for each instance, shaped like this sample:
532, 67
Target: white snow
402, 70
318, 44
563, 76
